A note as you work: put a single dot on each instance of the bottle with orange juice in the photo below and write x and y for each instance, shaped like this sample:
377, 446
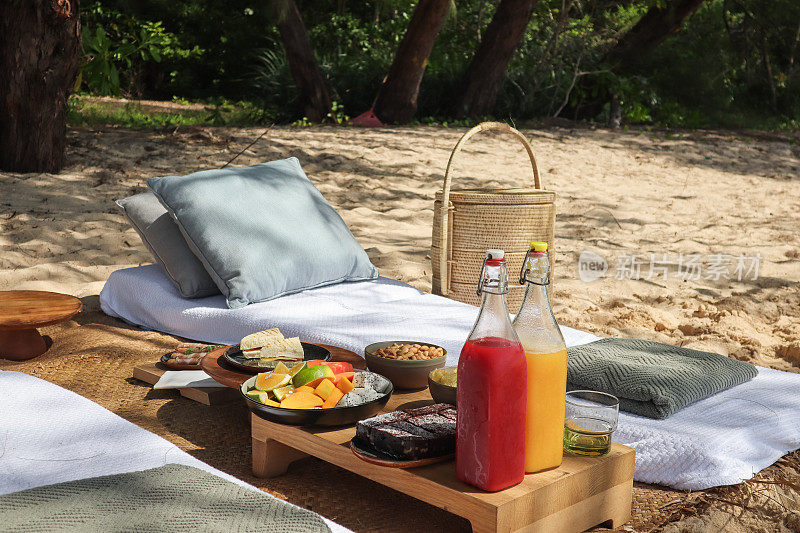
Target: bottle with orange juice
546, 358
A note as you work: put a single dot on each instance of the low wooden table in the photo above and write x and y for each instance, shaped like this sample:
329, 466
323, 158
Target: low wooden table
22, 312
582, 493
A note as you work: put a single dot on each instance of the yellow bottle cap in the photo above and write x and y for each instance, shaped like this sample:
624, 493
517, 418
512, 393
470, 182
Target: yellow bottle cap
539, 246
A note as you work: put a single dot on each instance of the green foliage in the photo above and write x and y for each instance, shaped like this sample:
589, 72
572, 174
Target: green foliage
101, 72
337, 114
87, 111
734, 63
118, 47
122, 49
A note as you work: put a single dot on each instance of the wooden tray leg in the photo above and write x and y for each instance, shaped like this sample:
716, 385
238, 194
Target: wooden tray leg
483, 526
21, 344
271, 458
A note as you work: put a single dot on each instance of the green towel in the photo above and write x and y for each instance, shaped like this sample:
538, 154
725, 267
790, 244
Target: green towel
170, 498
652, 379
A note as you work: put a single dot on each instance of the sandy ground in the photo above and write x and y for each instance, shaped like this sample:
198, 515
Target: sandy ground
723, 201
716, 200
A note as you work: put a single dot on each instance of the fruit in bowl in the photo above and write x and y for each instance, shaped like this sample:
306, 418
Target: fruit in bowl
307, 385
442, 383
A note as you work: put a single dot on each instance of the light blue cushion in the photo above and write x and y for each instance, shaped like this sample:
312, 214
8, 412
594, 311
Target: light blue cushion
167, 245
262, 231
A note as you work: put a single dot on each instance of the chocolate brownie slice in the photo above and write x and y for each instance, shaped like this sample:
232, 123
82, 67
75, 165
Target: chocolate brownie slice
365, 427
403, 440
428, 409
413, 434
442, 429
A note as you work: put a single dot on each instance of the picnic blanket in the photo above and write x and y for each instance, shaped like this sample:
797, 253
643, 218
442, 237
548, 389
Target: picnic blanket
650, 378
50, 435
174, 497
721, 440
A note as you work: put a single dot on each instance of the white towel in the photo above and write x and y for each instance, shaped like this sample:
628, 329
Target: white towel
51, 435
178, 379
721, 440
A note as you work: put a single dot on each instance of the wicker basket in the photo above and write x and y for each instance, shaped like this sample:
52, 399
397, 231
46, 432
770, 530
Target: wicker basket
467, 222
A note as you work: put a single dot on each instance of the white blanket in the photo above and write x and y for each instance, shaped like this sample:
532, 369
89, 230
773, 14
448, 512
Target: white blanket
724, 439
51, 435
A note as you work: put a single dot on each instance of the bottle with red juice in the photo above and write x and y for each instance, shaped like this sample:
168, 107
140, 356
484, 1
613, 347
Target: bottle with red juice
491, 397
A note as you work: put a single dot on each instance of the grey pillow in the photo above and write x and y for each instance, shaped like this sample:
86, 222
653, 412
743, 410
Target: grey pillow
262, 231
164, 240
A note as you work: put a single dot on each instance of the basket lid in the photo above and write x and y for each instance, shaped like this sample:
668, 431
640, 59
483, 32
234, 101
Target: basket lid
500, 196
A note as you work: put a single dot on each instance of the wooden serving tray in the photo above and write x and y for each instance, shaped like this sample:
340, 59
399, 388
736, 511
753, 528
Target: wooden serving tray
151, 373
582, 493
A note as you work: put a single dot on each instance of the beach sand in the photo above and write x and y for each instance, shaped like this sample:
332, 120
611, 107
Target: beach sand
620, 194
721, 200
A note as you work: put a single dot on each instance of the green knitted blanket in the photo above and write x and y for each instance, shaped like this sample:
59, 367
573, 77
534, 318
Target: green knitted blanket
652, 379
169, 498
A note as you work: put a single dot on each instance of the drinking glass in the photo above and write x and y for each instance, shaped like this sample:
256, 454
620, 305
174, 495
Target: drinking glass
591, 418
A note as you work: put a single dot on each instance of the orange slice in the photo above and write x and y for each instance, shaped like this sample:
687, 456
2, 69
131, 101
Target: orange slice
297, 368
267, 382
280, 368
282, 392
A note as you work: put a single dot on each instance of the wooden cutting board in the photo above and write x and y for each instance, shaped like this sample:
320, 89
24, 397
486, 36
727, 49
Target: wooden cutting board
151, 373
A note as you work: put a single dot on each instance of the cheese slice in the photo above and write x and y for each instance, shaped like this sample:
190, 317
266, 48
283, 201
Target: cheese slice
252, 354
283, 349
260, 339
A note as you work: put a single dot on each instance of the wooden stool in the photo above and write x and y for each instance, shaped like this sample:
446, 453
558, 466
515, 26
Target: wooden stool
21, 312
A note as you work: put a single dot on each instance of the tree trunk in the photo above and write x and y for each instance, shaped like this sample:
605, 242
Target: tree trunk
485, 73
651, 30
39, 59
615, 113
312, 93
397, 99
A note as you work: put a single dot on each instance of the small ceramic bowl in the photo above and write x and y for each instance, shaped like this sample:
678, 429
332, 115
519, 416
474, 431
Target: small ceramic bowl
403, 374
442, 393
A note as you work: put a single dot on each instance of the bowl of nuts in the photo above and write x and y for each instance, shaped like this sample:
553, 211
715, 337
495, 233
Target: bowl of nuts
405, 363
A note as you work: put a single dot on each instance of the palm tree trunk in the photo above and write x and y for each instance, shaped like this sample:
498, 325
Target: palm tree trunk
39, 60
308, 78
485, 73
651, 30
397, 99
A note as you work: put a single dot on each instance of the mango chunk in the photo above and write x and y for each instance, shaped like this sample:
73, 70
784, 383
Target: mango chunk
333, 399
301, 400
325, 389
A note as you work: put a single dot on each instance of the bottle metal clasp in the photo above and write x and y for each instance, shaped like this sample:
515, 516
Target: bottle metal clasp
479, 292
526, 269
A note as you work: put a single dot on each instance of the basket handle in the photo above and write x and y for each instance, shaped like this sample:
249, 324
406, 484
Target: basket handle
445, 207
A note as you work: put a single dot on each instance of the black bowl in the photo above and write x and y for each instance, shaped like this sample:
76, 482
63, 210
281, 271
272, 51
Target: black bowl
233, 355
335, 416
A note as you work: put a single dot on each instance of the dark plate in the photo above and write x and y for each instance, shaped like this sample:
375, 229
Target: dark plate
367, 452
233, 355
335, 416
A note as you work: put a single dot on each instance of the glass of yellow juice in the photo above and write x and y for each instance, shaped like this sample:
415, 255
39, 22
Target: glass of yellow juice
590, 419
